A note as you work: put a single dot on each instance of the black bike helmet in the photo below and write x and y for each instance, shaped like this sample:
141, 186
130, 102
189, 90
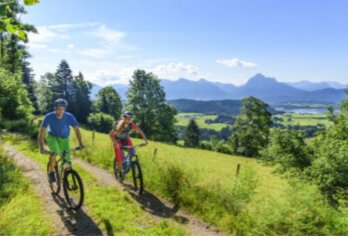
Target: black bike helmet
60, 102
128, 114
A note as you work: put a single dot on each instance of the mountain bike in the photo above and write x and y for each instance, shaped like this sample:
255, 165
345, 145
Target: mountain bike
130, 162
71, 181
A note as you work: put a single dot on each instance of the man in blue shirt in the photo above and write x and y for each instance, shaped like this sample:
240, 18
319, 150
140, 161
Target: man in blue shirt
57, 124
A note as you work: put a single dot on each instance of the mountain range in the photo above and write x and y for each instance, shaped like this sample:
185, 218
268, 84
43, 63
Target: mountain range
265, 88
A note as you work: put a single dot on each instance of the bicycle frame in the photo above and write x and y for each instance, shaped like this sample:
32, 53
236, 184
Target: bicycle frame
63, 160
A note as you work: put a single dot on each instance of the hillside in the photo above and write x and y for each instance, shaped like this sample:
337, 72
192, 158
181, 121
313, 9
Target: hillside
206, 184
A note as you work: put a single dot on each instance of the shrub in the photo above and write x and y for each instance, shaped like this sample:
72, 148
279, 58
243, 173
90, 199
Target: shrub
223, 148
287, 148
205, 145
23, 126
100, 122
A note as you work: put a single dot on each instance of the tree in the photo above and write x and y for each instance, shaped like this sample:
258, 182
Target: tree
28, 80
44, 94
108, 101
14, 102
81, 103
191, 138
62, 86
10, 24
146, 99
330, 150
251, 129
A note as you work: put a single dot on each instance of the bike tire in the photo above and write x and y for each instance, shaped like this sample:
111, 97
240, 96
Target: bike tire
117, 171
55, 186
137, 177
72, 182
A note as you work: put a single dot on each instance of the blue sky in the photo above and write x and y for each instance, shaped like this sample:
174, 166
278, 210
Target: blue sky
227, 41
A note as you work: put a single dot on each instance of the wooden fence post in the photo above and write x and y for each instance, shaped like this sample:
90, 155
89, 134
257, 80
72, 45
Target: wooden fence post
238, 170
93, 136
154, 154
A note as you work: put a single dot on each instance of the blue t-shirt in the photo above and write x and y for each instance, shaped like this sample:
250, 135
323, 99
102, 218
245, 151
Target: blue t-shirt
59, 127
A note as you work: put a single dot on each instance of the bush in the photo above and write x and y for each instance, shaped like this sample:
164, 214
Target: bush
223, 148
23, 126
205, 145
100, 122
330, 166
287, 148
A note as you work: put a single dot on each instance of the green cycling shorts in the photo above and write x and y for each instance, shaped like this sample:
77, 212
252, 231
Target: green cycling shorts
59, 145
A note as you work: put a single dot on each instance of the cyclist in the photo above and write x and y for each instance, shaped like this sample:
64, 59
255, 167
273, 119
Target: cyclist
57, 124
120, 136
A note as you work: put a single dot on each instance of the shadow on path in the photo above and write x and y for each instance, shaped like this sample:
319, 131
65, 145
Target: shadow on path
78, 223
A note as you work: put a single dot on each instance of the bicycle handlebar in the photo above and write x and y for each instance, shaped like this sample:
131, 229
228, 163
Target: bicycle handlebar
134, 146
54, 153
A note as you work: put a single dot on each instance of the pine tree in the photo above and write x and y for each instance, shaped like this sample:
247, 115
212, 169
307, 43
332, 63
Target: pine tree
191, 138
62, 86
81, 103
28, 80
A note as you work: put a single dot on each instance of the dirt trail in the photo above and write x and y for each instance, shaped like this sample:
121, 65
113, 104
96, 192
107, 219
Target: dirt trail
150, 203
65, 222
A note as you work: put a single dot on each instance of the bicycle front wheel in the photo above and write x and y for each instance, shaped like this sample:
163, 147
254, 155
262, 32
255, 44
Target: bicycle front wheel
55, 186
73, 189
117, 171
137, 177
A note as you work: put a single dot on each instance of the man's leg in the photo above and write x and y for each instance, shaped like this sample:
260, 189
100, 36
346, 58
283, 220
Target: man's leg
64, 148
53, 146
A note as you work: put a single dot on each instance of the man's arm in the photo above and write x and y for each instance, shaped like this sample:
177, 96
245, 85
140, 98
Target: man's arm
41, 138
141, 133
78, 135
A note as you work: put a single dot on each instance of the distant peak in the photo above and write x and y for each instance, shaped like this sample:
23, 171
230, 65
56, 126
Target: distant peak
203, 80
261, 78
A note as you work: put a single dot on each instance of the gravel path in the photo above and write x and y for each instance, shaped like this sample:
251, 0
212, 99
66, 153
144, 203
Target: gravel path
65, 222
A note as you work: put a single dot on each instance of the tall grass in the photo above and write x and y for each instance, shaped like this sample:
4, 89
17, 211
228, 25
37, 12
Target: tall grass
21, 212
257, 202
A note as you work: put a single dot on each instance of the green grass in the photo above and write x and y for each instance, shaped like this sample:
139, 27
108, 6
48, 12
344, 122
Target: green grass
111, 209
21, 212
184, 118
204, 183
258, 202
303, 119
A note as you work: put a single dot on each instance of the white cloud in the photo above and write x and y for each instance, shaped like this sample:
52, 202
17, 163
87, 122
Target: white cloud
44, 35
37, 46
106, 77
235, 62
108, 34
71, 46
97, 53
175, 70
65, 27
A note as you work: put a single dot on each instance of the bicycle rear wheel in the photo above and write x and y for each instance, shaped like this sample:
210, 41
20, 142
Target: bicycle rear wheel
55, 186
137, 177
73, 189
